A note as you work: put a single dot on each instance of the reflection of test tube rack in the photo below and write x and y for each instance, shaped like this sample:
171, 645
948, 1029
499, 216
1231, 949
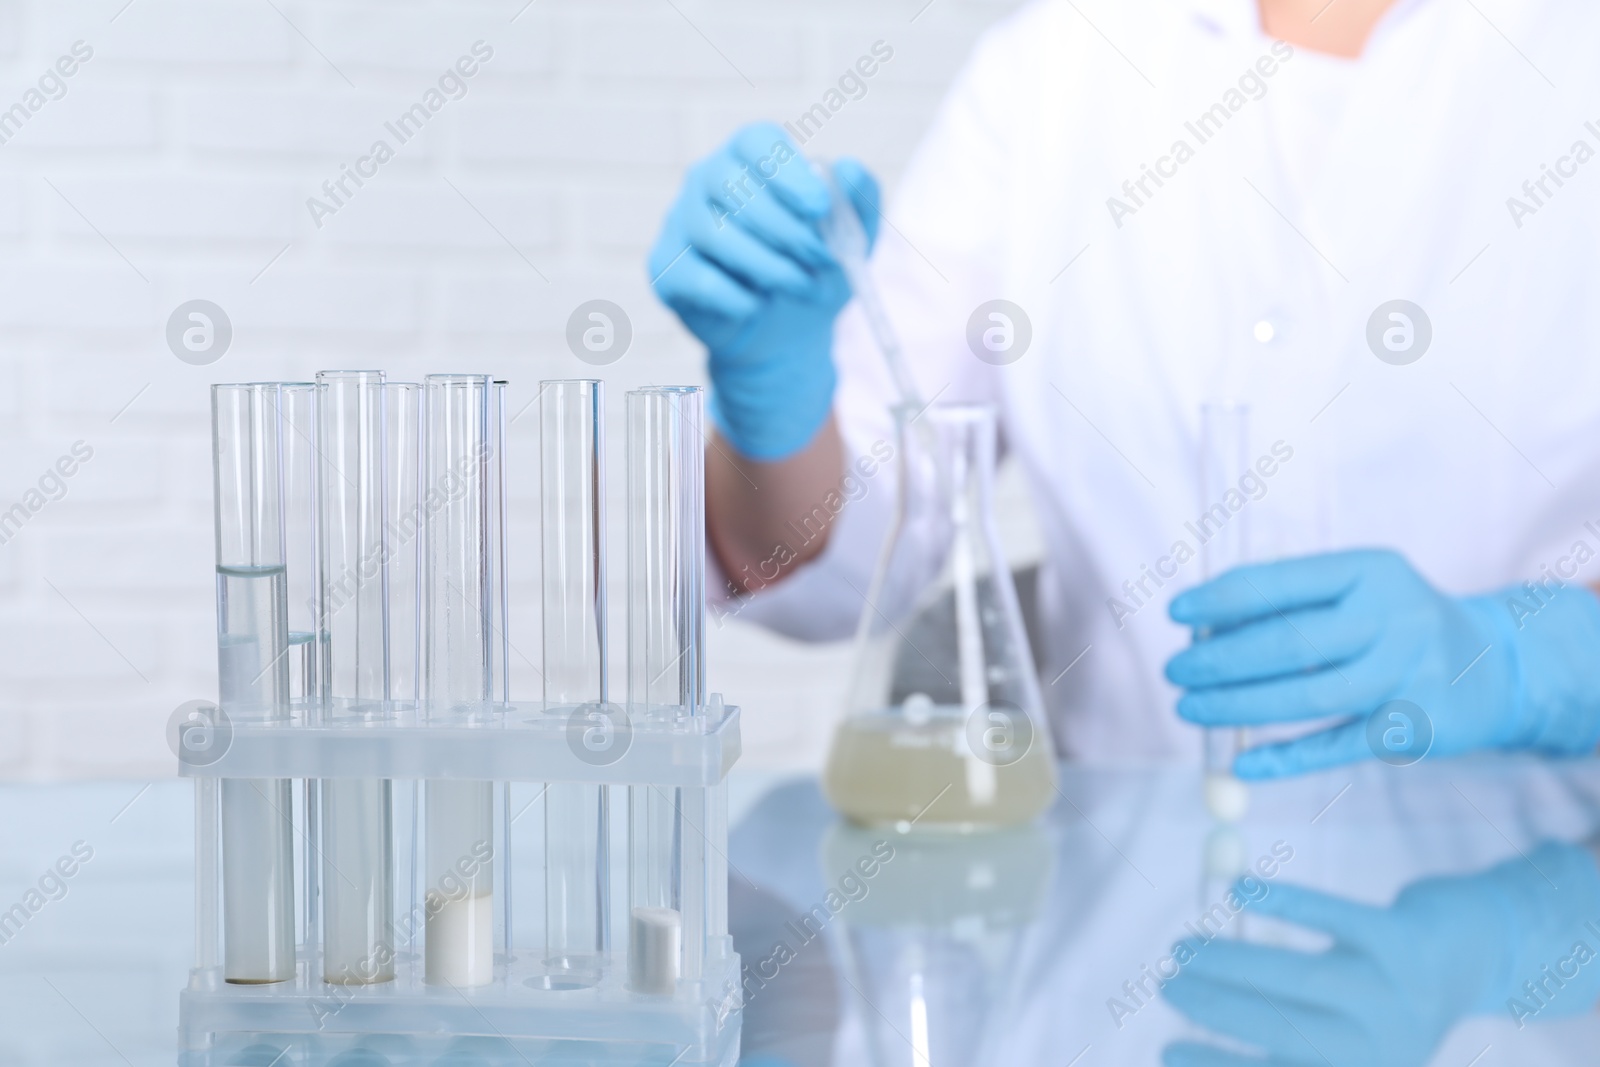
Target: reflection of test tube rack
363, 656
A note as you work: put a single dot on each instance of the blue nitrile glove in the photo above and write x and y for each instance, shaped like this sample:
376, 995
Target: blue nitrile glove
741, 261
1396, 979
1344, 633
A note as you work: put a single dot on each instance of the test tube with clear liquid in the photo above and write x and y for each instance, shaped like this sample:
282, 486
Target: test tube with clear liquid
257, 826
666, 676
1224, 458
458, 671
353, 607
573, 592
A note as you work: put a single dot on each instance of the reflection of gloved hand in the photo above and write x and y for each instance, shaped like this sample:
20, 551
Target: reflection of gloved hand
741, 260
1341, 634
1396, 979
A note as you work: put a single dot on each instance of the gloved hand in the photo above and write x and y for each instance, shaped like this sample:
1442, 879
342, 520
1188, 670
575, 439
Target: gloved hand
742, 262
1396, 979
1342, 634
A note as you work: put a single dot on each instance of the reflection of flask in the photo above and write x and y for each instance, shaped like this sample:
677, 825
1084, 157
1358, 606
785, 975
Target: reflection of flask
946, 724
933, 926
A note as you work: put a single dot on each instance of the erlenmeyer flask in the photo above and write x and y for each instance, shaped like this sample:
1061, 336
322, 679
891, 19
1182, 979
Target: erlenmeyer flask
945, 725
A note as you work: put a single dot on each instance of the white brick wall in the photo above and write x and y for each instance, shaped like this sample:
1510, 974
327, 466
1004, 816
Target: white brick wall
177, 167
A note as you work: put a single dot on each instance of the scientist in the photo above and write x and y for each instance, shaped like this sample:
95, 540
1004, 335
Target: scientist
1373, 222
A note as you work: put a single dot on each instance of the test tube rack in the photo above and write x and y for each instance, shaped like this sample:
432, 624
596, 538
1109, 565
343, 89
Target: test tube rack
344, 748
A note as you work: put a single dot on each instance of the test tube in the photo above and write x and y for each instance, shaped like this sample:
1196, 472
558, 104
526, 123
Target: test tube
1224, 457
253, 677
573, 584
666, 672
403, 529
403, 534
301, 466
500, 632
353, 601
457, 672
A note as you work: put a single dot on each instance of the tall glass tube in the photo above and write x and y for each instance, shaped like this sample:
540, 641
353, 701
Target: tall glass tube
666, 667
301, 467
253, 677
573, 584
357, 813
1224, 458
403, 538
403, 532
457, 672
500, 649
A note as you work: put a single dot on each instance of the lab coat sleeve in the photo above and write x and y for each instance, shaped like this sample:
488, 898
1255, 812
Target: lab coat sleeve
939, 255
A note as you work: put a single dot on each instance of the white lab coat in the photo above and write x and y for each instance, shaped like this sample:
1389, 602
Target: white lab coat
1251, 272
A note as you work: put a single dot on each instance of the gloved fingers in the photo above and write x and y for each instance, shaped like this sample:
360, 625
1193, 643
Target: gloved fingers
1351, 688
1261, 590
1309, 639
746, 256
1196, 1054
1333, 747
687, 282
1344, 919
766, 149
1315, 979
1263, 1018
862, 189
775, 225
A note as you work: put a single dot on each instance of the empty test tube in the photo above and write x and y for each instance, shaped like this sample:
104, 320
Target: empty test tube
403, 525
666, 667
573, 584
253, 676
457, 671
353, 605
1224, 457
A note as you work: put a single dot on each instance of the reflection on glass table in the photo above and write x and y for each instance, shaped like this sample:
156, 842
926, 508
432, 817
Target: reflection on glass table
1518, 939
1390, 913
1387, 915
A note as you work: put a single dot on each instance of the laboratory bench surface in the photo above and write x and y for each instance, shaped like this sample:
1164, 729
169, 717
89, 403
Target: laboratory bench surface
1037, 945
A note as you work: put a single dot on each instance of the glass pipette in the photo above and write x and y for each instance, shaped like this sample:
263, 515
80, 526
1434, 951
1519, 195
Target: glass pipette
846, 238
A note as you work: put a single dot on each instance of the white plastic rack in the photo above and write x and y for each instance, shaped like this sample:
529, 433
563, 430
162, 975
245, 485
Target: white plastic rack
355, 782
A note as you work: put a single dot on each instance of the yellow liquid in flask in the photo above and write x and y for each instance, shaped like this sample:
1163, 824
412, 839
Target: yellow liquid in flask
888, 768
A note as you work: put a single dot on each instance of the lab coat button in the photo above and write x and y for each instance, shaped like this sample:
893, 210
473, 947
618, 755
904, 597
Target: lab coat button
1264, 331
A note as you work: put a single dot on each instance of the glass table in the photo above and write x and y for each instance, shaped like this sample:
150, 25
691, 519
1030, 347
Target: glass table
1447, 913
